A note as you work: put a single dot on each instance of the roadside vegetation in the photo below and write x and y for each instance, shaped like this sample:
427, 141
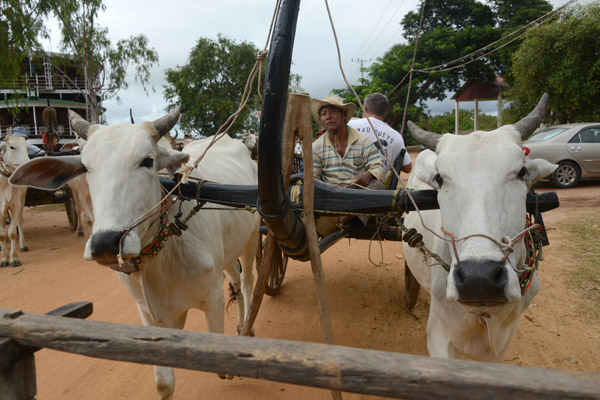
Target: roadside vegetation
584, 244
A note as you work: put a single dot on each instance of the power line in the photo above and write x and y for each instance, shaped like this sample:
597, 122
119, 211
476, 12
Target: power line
384, 28
373, 30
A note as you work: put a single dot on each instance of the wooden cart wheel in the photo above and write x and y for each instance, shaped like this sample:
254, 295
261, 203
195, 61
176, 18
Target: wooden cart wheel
71, 212
278, 267
277, 274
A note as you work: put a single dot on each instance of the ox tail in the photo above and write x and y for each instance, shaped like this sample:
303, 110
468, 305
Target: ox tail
233, 291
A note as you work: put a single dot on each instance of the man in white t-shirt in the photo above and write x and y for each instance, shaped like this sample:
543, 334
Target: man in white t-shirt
376, 106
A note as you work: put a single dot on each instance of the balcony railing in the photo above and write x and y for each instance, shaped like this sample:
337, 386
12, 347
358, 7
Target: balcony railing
41, 82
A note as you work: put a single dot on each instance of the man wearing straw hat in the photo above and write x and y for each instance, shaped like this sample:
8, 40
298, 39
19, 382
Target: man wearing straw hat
342, 156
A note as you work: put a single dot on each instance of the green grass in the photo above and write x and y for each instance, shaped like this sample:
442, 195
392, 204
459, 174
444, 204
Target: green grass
585, 248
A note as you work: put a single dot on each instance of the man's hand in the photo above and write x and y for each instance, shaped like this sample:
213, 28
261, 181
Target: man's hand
363, 179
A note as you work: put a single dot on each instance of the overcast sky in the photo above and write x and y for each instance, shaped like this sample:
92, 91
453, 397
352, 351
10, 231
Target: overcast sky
365, 30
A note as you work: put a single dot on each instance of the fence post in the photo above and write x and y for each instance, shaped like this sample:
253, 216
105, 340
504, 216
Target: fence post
17, 363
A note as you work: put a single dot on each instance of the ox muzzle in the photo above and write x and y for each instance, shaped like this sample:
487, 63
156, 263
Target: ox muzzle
105, 246
481, 282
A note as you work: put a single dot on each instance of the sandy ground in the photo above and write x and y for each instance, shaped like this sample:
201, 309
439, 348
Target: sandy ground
365, 301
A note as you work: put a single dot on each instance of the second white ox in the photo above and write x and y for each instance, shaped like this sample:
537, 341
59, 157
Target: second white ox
482, 180
122, 163
12, 199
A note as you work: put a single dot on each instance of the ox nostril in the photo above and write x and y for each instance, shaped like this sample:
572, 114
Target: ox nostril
501, 277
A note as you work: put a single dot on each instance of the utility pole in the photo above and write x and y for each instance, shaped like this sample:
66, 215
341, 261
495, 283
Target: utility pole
362, 66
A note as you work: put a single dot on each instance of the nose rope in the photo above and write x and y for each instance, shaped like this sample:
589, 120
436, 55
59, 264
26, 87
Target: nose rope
506, 245
165, 203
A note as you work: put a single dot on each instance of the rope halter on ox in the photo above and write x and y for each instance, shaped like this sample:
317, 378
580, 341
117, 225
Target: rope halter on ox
533, 247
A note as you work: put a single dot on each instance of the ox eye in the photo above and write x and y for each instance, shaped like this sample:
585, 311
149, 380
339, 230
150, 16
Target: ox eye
522, 173
13, 148
147, 163
438, 179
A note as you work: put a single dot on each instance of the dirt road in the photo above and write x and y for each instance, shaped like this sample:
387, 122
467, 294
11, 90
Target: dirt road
365, 302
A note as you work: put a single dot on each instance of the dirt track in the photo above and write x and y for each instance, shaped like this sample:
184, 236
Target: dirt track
364, 301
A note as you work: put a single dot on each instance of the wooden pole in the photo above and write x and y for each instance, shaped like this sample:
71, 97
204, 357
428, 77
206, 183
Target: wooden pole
269, 248
311, 364
304, 128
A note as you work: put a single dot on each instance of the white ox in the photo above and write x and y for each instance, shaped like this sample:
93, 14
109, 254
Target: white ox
482, 180
14, 153
122, 163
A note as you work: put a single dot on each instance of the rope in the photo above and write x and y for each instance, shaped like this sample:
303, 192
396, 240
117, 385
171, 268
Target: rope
221, 132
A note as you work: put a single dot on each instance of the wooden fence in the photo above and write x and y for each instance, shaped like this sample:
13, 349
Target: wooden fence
311, 364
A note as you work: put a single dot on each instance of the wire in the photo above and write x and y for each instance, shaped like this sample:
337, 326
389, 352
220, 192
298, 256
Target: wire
372, 30
386, 25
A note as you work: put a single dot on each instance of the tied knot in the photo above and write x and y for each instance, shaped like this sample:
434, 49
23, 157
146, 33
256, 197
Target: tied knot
186, 170
505, 244
261, 55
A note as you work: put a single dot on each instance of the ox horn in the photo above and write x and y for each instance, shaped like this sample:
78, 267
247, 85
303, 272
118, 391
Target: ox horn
164, 124
80, 125
527, 125
426, 138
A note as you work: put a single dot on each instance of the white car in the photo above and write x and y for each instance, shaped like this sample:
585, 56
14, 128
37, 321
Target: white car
574, 147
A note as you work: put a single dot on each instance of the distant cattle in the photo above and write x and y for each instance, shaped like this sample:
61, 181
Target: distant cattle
166, 277
12, 199
250, 139
482, 181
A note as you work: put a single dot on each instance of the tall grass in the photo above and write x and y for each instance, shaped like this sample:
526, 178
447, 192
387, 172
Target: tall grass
584, 246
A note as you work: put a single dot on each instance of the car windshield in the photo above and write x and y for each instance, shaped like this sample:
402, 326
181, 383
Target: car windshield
546, 134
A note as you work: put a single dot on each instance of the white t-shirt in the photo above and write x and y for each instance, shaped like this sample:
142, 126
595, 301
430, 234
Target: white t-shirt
389, 137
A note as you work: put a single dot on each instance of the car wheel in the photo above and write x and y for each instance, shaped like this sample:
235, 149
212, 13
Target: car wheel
566, 175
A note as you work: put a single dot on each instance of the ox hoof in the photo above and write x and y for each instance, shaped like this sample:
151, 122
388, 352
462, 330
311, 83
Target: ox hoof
24, 249
79, 234
4, 264
225, 376
15, 264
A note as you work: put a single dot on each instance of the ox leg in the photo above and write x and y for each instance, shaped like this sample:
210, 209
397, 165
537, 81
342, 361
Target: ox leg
214, 310
164, 377
438, 342
22, 244
3, 243
247, 279
15, 222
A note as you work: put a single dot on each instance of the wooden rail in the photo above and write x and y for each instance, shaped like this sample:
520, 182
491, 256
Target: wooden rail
310, 364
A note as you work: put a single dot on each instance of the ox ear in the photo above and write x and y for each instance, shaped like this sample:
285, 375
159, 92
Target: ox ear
425, 168
48, 173
538, 169
170, 159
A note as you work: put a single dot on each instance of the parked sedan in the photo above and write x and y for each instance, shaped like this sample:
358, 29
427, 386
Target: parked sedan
574, 147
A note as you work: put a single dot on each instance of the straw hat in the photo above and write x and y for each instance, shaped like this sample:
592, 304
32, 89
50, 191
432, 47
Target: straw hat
334, 101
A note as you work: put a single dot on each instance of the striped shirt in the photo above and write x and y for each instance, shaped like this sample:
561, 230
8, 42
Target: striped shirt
360, 155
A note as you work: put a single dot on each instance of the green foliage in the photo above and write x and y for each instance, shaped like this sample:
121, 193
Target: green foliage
450, 30
105, 66
209, 87
444, 123
563, 59
21, 24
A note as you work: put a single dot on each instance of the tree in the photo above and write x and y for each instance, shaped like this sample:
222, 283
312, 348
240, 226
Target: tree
21, 23
563, 59
104, 66
210, 86
461, 29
